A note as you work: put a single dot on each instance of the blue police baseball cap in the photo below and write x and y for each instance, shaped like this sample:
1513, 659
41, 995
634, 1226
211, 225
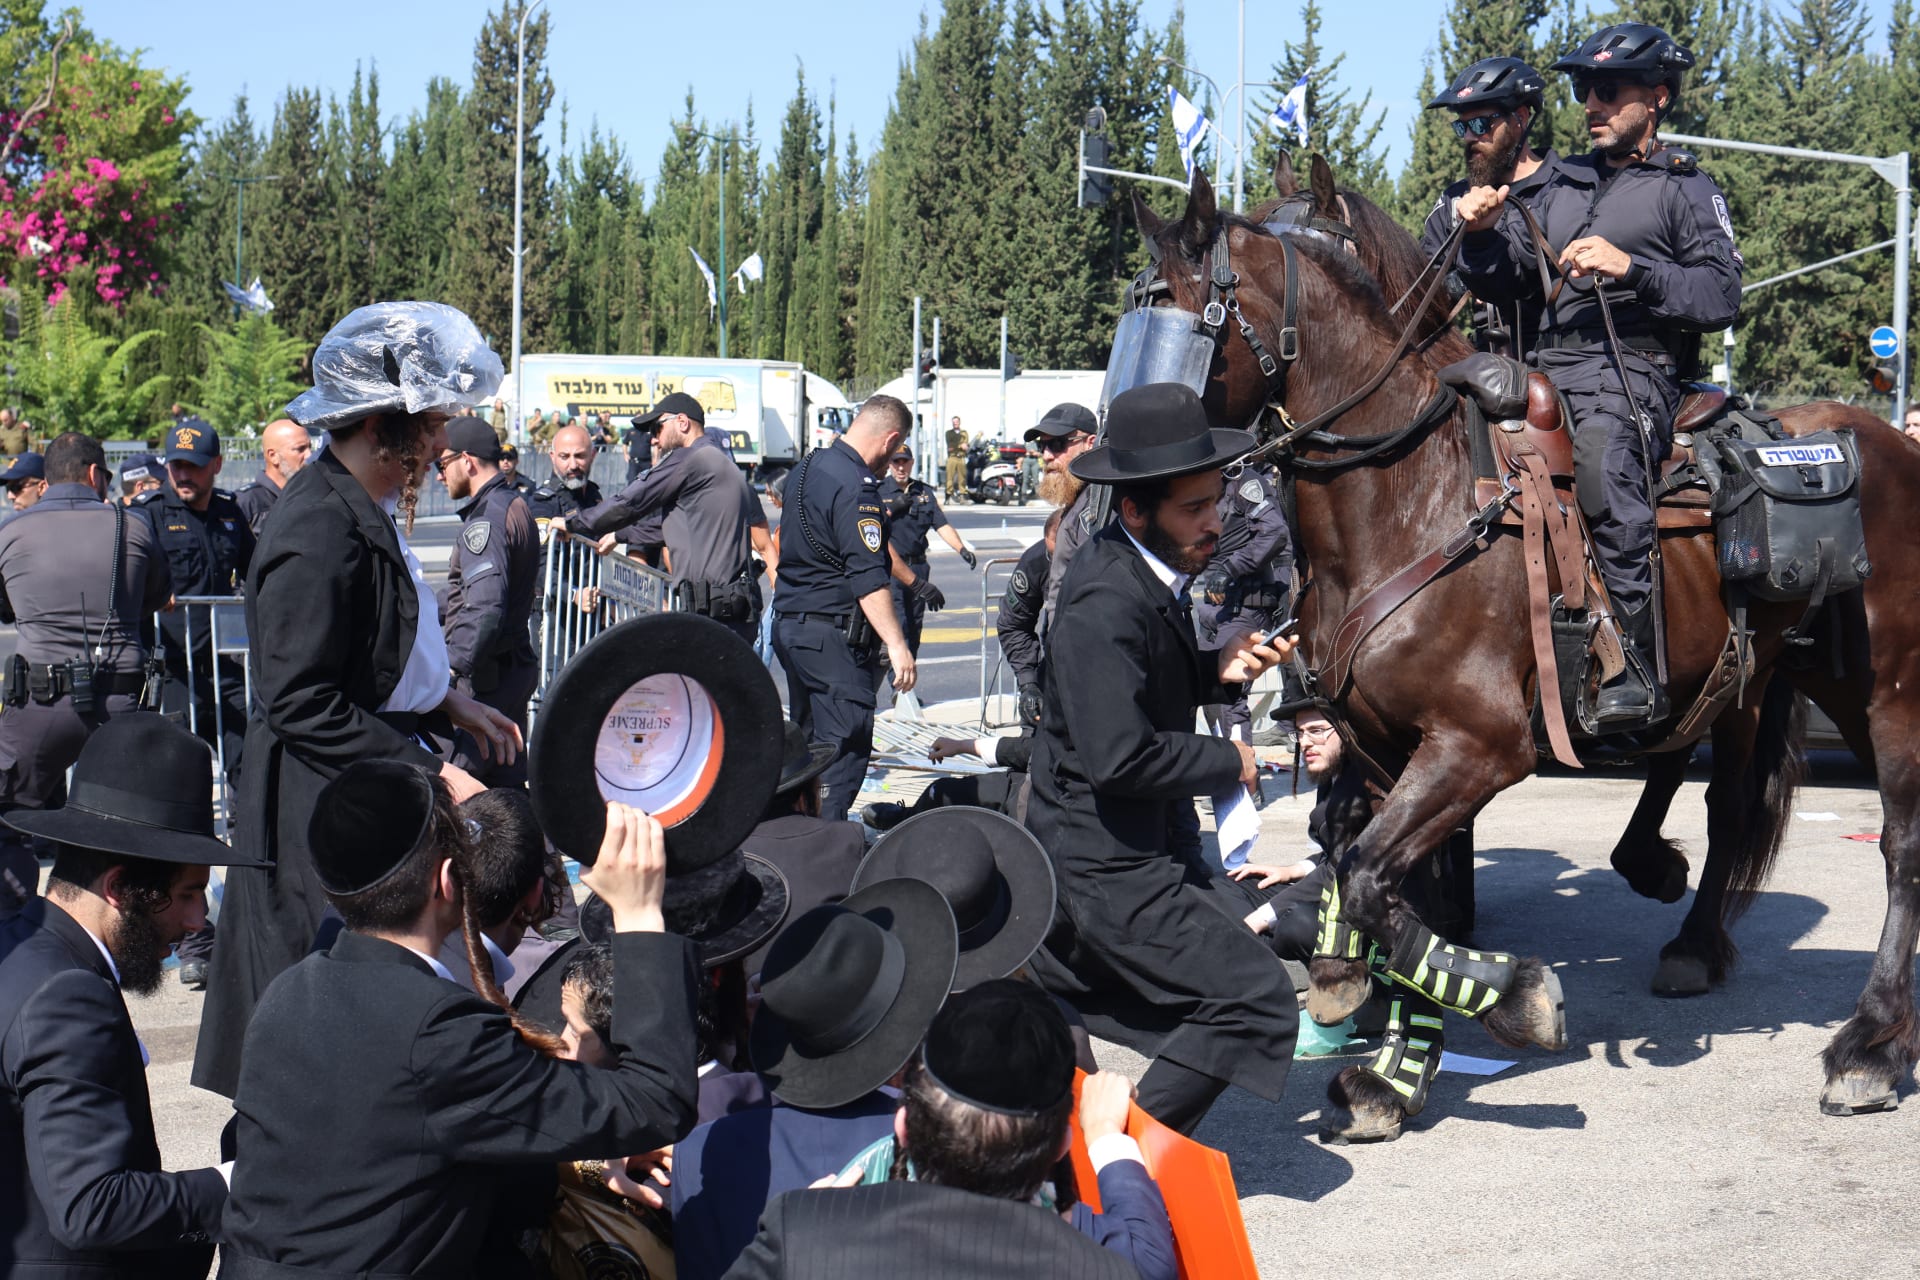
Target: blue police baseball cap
25, 466
192, 440
142, 466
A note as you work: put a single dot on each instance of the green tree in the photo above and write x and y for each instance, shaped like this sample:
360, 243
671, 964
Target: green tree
252, 371
1341, 129
426, 156
361, 210
291, 223
204, 242
595, 191
69, 377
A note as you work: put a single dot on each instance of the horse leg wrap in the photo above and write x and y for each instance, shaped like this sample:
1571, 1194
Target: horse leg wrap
1409, 1057
1338, 939
1469, 982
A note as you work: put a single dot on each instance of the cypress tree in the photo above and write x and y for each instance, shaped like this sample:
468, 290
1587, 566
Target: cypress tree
290, 222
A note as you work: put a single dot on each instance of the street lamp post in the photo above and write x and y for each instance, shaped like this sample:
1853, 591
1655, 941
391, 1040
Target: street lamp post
239, 228
519, 196
729, 140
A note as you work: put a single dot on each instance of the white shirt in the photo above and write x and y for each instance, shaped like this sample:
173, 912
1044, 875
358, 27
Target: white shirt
424, 680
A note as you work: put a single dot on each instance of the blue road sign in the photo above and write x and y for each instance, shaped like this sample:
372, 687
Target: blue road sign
1884, 342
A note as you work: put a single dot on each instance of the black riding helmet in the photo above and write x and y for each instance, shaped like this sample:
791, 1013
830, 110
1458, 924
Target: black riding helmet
1501, 81
1634, 51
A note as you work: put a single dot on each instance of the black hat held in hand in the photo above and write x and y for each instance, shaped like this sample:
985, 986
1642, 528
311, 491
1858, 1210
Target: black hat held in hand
1157, 432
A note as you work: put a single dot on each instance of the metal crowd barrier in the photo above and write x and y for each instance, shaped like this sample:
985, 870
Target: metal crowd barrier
582, 593
992, 662
223, 620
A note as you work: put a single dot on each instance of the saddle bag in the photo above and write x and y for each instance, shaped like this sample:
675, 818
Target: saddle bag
1787, 515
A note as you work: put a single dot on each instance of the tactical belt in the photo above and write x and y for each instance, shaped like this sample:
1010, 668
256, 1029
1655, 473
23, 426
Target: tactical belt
721, 601
48, 682
1640, 344
831, 619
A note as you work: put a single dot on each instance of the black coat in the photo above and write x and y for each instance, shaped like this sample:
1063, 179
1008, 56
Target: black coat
380, 1105
331, 616
916, 1228
1136, 947
76, 1126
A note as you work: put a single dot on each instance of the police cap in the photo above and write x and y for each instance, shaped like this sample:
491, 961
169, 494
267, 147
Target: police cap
192, 440
141, 466
467, 434
25, 466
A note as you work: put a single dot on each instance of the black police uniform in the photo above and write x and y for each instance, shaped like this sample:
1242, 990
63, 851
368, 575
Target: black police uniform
553, 500
492, 578
1244, 587
1019, 627
833, 551
1672, 220
520, 484
255, 499
913, 514
1512, 329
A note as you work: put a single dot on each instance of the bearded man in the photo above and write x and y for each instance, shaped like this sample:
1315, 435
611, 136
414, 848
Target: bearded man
1066, 432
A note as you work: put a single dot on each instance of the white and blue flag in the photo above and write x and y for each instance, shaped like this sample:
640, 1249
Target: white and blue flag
707, 271
252, 298
1292, 111
1189, 127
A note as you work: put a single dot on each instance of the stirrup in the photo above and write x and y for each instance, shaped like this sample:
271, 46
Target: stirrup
1409, 1057
1337, 939
1469, 982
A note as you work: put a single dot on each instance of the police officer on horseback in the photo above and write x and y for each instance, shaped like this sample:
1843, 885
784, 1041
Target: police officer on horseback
1641, 234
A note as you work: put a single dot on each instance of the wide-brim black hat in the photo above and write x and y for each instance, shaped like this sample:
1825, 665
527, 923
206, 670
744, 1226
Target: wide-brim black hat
802, 761
1156, 432
671, 713
993, 873
142, 787
727, 909
848, 991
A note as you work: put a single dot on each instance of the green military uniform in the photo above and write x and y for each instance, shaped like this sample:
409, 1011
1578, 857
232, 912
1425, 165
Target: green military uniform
956, 463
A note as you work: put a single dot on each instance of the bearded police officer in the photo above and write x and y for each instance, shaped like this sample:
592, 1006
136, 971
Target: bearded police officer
570, 488
492, 577
1063, 434
1495, 102
77, 578
832, 608
1643, 223
285, 447
913, 512
706, 511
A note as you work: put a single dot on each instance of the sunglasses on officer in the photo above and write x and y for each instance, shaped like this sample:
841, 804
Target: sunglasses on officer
1479, 126
1607, 88
445, 460
1060, 444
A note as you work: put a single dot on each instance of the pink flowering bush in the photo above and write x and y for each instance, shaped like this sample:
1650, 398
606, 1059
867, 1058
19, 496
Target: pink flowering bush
95, 182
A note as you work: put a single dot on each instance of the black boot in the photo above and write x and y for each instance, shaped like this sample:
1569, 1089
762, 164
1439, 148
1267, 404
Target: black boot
1632, 699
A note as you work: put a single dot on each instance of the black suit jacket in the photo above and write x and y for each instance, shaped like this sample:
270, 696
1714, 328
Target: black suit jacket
331, 616
379, 1105
81, 1188
895, 1229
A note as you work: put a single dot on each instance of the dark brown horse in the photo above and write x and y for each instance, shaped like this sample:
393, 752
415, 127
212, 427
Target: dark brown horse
1442, 691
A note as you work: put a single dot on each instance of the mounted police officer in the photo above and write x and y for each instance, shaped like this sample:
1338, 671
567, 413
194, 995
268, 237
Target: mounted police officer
913, 512
570, 488
1495, 102
285, 447
492, 578
833, 611
1641, 221
1245, 585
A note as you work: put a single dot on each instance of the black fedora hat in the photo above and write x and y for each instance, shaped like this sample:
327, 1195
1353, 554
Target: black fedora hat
1156, 432
726, 909
143, 787
991, 871
802, 761
848, 991
671, 713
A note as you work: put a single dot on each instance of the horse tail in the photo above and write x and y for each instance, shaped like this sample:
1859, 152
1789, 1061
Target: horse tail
1774, 773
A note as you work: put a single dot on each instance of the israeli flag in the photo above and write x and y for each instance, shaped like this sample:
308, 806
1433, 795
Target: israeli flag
252, 298
1292, 111
752, 269
707, 271
1189, 127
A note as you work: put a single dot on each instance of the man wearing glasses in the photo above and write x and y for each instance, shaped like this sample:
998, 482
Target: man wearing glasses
1495, 102
1063, 434
1641, 221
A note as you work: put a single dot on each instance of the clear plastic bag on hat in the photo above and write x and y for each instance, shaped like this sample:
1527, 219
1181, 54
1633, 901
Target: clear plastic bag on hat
426, 355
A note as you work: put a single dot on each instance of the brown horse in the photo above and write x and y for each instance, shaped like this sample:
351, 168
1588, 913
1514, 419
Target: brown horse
1442, 691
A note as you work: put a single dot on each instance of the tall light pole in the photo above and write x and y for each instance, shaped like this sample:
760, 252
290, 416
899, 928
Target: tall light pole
519, 198
240, 226
729, 140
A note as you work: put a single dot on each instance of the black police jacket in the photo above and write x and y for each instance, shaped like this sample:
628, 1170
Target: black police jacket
208, 553
1439, 226
919, 515
833, 547
1019, 621
492, 578
554, 500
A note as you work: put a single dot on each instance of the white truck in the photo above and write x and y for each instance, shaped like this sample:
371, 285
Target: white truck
973, 396
772, 410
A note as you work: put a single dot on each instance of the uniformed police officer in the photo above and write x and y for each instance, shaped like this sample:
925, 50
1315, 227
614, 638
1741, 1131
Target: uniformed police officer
285, 447
705, 510
77, 578
570, 488
1643, 222
832, 608
913, 512
491, 581
25, 479
1018, 625
1244, 587
1063, 434
141, 473
510, 468
1495, 102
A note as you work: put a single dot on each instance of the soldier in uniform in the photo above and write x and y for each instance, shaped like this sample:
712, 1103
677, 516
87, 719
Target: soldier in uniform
285, 447
1642, 221
491, 581
141, 473
832, 607
26, 479
1063, 434
1494, 102
77, 580
208, 543
13, 436
956, 461
570, 488
914, 512
1244, 588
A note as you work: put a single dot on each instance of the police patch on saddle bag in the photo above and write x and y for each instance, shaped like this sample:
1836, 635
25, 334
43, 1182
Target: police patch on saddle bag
1787, 515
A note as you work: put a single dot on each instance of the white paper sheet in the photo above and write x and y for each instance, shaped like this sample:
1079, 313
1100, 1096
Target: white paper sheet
1463, 1065
1237, 822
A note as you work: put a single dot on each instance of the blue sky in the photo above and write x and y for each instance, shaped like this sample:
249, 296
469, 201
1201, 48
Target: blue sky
629, 63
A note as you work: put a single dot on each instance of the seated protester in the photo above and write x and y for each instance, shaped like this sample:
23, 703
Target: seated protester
846, 997
81, 1187
979, 1171
1004, 792
505, 883
816, 856
379, 1104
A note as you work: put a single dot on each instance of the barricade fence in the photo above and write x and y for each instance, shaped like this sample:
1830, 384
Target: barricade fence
582, 593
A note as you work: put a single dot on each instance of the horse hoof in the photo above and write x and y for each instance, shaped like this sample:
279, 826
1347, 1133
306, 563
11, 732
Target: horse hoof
1532, 1012
1339, 988
1361, 1108
1858, 1093
1680, 976
1665, 880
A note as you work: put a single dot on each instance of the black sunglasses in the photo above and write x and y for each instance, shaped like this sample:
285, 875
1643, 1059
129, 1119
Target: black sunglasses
1607, 90
441, 463
1479, 126
1060, 444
